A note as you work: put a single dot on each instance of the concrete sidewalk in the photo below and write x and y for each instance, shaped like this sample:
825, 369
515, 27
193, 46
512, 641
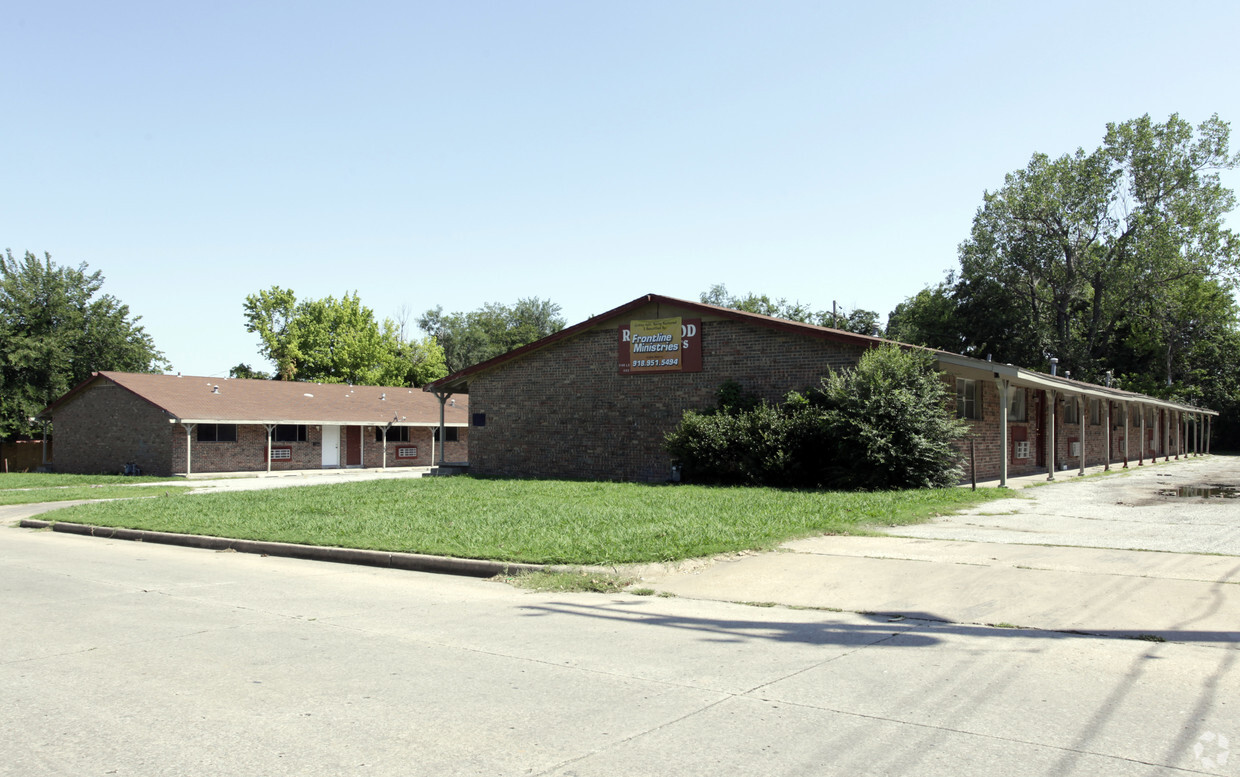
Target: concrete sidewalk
1112, 556
1177, 597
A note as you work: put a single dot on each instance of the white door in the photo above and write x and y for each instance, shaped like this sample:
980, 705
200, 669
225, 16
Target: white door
331, 446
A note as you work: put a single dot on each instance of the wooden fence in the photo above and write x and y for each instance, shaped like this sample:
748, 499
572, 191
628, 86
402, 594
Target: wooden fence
23, 456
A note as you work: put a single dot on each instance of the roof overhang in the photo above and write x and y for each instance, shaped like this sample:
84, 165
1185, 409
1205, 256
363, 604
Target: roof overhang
977, 369
288, 422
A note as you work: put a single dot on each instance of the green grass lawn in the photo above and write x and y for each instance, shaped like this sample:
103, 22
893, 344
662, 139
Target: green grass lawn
11, 480
74, 493
538, 521
33, 488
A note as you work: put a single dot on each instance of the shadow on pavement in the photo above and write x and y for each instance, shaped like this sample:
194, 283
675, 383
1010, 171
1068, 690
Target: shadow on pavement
883, 627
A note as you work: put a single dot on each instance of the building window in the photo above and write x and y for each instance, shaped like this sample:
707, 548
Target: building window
1071, 410
1016, 405
966, 398
1095, 412
451, 434
289, 433
395, 434
217, 432
480, 419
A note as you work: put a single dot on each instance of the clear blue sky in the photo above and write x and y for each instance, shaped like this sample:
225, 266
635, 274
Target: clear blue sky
586, 152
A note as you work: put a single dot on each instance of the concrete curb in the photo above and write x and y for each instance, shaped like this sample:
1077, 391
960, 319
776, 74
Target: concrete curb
413, 562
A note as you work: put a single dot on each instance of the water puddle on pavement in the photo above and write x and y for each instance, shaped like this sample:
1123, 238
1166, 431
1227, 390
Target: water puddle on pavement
1213, 491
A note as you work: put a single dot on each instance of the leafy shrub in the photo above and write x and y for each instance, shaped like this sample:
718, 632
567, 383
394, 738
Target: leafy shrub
887, 423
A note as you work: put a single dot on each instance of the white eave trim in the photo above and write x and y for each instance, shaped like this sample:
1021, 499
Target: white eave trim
1020, 376
286, 422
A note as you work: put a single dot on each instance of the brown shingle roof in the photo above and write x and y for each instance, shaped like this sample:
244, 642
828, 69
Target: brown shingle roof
191, 398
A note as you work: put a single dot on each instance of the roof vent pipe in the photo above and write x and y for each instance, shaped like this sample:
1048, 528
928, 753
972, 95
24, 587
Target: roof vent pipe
988, 358
215, 390
1054, 366
1110, 377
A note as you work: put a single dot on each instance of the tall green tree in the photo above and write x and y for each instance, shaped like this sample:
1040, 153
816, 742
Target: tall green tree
1112, 259
1071, 249
270, 313
55, 330
341, 341
333, 340
928, 318
491, 330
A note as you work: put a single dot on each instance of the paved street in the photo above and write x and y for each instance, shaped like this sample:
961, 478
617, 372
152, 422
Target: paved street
137, 659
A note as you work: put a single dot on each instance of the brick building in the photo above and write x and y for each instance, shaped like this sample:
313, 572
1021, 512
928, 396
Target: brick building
596, 399
168, 424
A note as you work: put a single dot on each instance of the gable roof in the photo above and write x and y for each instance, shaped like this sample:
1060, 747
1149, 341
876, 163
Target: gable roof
458, 382
191, 399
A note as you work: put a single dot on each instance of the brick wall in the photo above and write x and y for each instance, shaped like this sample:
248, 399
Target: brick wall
984, 435
249, 452
106, 427
565, 411
420, 438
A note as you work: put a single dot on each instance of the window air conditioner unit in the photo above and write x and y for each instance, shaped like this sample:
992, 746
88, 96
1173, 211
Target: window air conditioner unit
1074, 450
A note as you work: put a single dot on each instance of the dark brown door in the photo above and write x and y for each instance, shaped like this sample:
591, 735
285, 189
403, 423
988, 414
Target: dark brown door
353, 446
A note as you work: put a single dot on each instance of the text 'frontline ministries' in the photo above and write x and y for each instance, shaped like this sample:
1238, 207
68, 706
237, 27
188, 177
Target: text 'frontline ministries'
660, 345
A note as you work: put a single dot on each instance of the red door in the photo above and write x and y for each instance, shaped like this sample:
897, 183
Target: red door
353, 446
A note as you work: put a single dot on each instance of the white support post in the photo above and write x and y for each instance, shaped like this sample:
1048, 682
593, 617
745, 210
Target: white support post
1166, 432
1002, 386
1081, 407
189, 447
1209, 421
1106, 453
270, 428
1050, 435
1127, 423
1141, 460
443, 400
